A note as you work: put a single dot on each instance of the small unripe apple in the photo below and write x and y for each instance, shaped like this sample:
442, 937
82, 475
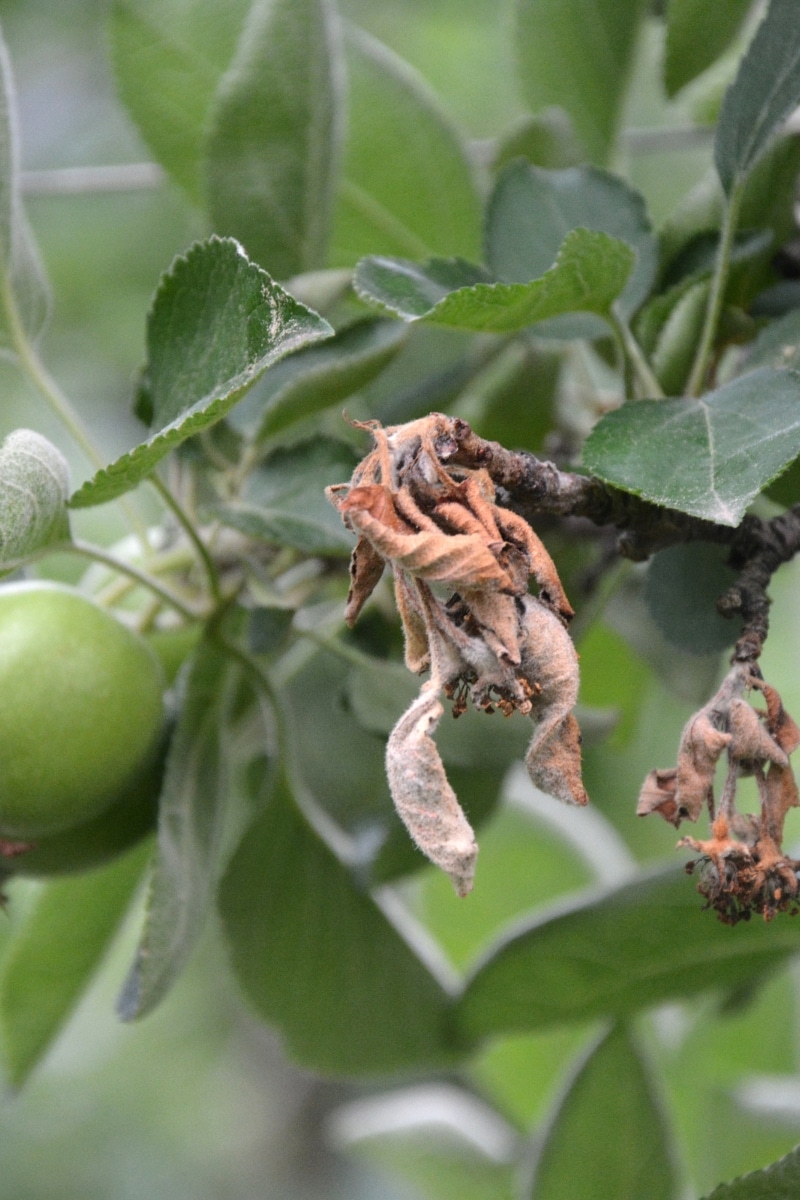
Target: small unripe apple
81, 709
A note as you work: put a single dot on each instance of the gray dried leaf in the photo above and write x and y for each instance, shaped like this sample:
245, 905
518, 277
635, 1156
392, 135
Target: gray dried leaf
424, 799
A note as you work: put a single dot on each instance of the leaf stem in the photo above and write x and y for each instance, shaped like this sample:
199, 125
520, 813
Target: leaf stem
636, 357
716, 296
188, 526
143, 578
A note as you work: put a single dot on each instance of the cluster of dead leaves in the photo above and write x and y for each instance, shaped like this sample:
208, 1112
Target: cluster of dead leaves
742, 868
462, 565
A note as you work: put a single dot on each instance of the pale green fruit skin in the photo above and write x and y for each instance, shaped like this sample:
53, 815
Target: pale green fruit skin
81, 707
129, 819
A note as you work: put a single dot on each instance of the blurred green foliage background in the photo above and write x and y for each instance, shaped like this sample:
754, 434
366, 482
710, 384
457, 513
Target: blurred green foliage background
199, 1101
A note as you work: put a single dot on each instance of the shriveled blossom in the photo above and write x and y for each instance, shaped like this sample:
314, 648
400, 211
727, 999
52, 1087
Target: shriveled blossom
742, 867
462, 566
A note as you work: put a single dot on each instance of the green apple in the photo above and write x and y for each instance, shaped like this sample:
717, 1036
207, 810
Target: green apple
81, 709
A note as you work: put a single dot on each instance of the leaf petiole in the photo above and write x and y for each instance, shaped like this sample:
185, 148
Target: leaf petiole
188, 526
635, 356
730, 221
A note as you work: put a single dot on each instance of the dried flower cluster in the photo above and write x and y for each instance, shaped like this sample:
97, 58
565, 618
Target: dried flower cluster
742, 868
462, 566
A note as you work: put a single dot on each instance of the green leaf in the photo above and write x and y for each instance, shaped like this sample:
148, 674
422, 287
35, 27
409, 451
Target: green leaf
674, 351
316, 957
525, 862
283, 500
56, 951
24, 294
531, 210
351, 787
779, 1181
607, 1138
320, 377
697, 35
688, 241
274, 136
708, 457
578, 54
514, 401
681, 590
217, 322
615, 953
764, 93
34, 486
209, 797
390, 200
443, 1141
168, 60
590, 272
778, 343
546, 140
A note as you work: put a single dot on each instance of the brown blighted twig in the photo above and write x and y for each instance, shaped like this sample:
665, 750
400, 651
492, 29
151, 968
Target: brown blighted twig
462, 566
447, 509
757, 547
742, 868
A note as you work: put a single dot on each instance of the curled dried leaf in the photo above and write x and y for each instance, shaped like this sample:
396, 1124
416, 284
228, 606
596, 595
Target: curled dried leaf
783, 729
749, 740
551, 662
462, 566
424, 799
658, 795
366, 569
417, 654
699, 750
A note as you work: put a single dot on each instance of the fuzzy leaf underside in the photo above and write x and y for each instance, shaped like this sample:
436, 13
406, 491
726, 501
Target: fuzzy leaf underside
206, 804
34, 486
168, 61
217, 323
708, 457
589, 274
